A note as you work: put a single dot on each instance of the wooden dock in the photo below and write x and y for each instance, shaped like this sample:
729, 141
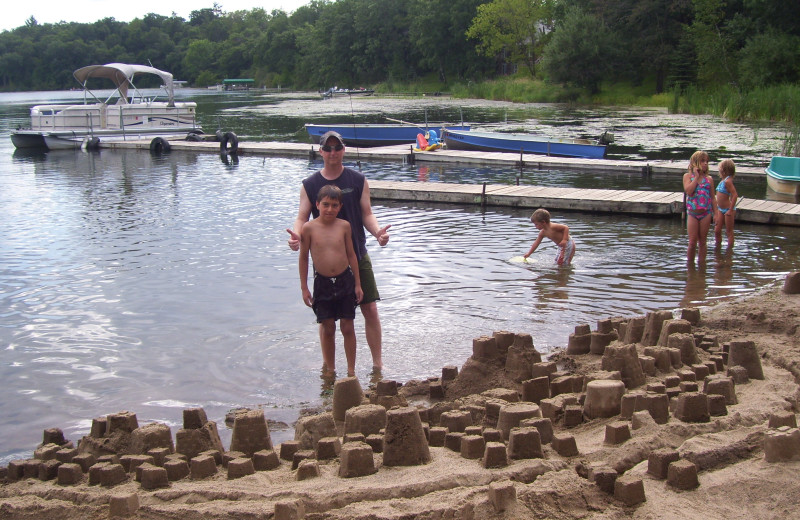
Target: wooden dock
630, 202
406, 154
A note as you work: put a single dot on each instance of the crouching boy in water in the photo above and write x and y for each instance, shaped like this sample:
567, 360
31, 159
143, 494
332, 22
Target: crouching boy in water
558, 233
337, 287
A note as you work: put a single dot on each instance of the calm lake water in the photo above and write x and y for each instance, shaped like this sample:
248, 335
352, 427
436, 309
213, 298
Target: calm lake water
151, 284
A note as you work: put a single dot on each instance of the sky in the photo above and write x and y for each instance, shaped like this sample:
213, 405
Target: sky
15, 12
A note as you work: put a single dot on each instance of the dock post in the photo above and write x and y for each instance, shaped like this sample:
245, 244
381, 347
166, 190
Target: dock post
683, 208
483, 196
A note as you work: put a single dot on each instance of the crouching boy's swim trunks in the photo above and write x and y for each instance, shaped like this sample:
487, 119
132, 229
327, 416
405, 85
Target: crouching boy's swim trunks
565, 254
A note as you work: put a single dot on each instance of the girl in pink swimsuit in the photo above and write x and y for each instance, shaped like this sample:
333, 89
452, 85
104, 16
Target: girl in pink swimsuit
700, 205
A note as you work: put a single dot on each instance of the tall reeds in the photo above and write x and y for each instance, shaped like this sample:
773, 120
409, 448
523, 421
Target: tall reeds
773, 103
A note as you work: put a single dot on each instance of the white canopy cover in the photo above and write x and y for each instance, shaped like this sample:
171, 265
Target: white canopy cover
121, 74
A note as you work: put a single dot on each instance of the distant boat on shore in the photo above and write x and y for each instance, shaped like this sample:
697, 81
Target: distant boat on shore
336, 91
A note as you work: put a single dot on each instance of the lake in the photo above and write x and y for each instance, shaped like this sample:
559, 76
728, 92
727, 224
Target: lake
151, 284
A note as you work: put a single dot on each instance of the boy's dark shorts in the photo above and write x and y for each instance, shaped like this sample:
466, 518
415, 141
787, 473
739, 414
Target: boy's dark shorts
335, 297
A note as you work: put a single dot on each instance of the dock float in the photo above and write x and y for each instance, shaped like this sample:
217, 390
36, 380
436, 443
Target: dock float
628, 202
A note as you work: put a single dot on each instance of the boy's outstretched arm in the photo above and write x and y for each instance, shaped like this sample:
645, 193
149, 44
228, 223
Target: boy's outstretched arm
534, 246
305, 241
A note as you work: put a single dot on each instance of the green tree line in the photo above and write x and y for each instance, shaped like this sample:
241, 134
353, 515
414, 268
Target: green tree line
681, 45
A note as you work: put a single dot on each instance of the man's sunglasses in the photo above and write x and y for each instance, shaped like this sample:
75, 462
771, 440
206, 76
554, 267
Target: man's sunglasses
328, 148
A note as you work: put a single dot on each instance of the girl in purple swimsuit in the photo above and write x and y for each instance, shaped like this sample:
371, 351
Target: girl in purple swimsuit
700, 205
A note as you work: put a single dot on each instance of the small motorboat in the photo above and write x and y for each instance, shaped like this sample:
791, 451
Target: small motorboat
783, 175
524, 143
336, 91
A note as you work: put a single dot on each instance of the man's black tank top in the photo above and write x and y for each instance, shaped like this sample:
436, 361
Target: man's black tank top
351, 183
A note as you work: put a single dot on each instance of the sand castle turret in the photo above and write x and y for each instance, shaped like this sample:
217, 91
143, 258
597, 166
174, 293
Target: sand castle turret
625, 359
250, 433
521, 354
404, 442
745, 354
347, 393
603, 398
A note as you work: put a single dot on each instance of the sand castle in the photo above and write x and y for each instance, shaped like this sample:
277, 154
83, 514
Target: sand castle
632, 376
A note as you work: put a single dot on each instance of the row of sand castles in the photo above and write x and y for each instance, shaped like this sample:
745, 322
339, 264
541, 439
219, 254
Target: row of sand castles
495, 427
550, 397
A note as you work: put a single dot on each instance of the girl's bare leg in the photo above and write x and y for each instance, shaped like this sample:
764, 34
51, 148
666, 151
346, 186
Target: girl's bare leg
702, 245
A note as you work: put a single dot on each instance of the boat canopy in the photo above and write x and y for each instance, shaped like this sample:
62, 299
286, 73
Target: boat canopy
121, 74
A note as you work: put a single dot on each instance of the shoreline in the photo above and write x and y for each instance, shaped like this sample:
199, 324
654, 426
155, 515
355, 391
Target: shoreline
726, 450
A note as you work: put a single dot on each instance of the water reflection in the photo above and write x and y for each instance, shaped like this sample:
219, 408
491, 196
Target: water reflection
723, 271
696, 288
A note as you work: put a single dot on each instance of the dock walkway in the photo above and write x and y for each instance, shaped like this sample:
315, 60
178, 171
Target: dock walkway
406, 154
631, 202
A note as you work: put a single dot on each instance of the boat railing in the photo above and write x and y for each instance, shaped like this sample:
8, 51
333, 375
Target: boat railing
58, 117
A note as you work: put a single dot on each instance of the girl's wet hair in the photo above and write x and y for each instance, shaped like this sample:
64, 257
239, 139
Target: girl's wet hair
697, 157
728, 167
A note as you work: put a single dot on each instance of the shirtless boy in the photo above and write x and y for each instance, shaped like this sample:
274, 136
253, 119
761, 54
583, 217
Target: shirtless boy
337, 287
558, 233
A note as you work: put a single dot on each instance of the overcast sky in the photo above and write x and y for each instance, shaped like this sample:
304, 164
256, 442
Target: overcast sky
15, 12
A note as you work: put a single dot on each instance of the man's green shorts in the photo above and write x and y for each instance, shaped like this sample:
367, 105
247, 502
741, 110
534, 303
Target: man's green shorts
368, 284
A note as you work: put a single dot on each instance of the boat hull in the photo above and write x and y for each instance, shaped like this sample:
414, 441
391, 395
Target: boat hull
783, 175
375, 134
522, 143
27, 139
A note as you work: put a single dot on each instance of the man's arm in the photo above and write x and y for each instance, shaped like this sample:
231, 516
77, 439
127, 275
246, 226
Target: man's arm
352, 260
370, 220
303, 214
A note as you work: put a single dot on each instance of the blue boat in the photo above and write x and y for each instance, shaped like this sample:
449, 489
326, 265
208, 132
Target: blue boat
523, 143
783, 175
377, 134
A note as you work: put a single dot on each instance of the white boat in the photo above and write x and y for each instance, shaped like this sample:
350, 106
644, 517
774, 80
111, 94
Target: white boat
125, 114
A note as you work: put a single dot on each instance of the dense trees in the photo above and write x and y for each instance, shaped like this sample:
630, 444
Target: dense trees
739, 44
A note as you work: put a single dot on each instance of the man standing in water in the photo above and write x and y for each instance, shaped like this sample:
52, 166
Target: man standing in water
357, 210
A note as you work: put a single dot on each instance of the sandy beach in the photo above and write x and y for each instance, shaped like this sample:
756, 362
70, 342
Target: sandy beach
727, 452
